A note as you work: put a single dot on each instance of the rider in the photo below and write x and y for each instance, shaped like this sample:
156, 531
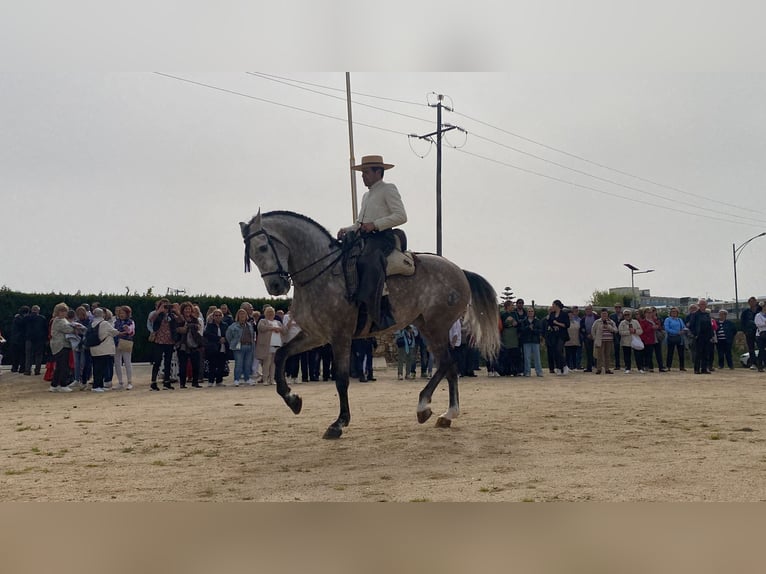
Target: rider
382, 209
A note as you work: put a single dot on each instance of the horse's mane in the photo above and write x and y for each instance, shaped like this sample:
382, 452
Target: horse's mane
298, 216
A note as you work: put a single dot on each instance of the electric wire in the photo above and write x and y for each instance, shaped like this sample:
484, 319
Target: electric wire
244, 95
582, 186
604, 166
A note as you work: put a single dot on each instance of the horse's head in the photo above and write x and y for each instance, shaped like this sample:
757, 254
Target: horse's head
268, 253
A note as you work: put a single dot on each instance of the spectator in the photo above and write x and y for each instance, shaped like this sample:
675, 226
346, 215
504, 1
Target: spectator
405, 343
109, 373
215, 348
675, 329
557, 325
455, 342
188, 345
587, 323
163, 327
60, 348
268, 340
421, 353
328, 363
659, 335
602, 334
18, 337
701, 326
725, 338
83, 364
747, 319
509, 362
228, 318
760, 335
102, 352
531, 329
617, 317
35, 335
573, 343
627, 328
126, 332
648, 337
293, 362
240, 337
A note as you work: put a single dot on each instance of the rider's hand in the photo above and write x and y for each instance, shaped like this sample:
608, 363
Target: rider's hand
341, 233
368, 227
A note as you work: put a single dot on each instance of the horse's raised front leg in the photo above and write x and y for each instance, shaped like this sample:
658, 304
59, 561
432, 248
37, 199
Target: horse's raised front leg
341, 349
301, 342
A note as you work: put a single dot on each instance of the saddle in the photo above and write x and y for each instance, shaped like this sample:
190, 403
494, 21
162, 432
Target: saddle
399, 262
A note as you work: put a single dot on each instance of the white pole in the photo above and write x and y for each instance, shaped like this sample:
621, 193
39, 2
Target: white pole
352, 161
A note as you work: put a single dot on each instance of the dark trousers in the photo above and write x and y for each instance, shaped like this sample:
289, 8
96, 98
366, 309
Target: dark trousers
310, 365
215, 364
328, 365
761, 361
639, 355
680, 348
161, 352
509, 362
18, 357
371, 267
33, 352
556, 349
724, 352
648, 353
703, 355
421, 350
183, 358
100, 364
751, 344
658, 355
571, 356
61, 371
291, 366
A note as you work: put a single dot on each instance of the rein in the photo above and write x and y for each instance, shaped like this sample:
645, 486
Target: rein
280, 270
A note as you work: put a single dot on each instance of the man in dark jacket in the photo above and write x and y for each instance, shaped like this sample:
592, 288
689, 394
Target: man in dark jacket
18, 353
35, 335
747, 320
701, 326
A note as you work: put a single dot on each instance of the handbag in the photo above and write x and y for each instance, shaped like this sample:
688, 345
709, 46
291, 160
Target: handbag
660, 336
124, 346
674, 340
636, 343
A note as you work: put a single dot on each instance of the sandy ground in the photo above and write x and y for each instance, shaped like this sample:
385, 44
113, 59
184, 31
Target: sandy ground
653, 437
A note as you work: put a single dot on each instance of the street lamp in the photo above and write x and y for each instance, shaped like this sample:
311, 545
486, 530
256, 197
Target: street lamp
736, 252
634, 271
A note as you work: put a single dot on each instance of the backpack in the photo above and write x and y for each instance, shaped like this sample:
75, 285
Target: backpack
92, 338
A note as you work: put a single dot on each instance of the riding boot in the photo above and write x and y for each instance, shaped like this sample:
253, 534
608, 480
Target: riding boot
361, 319
385, 316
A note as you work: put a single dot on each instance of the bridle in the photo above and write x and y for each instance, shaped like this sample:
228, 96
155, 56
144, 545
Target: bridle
280, 271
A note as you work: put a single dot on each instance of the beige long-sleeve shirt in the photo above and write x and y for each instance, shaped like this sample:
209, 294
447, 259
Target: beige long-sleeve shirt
381, 205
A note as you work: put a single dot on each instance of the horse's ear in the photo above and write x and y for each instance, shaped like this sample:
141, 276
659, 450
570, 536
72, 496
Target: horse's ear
257, 218
243, 228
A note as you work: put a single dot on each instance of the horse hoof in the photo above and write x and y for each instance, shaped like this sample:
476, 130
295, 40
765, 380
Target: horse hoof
332, 433
443, 423
295, 403
423, 416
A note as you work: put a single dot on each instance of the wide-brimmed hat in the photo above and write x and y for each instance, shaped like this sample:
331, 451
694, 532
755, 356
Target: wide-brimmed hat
372, 161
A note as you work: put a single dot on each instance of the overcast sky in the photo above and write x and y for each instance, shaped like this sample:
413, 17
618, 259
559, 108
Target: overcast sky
134, 180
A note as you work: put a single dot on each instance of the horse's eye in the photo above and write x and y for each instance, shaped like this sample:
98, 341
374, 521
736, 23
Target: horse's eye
263, 249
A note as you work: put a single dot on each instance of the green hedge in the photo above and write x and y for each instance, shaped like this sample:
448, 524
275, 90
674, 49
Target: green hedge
142, 305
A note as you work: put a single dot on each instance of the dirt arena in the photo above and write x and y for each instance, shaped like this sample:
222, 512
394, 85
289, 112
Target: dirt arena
654, 437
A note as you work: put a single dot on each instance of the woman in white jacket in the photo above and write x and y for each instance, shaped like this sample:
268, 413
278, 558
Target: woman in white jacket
629, 327
103, 352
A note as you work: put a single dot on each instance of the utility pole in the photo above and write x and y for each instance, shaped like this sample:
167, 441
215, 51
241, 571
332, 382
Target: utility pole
440, 129
351, 147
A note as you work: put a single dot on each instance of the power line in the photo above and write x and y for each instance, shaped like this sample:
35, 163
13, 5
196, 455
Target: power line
265, 77
340, 90
613, 182
560, 180
242, 94
604, 166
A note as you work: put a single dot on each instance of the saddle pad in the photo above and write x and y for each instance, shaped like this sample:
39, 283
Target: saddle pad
400, 263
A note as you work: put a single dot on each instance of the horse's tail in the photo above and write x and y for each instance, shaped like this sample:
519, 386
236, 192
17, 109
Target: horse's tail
483, 316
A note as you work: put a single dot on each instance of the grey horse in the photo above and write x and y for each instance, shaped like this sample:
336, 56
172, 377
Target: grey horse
292, 249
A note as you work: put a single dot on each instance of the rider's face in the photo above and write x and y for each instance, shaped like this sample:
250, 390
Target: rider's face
370, 176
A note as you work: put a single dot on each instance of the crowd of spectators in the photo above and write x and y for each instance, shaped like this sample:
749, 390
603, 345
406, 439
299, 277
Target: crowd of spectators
89, 345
